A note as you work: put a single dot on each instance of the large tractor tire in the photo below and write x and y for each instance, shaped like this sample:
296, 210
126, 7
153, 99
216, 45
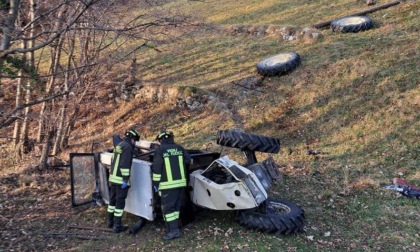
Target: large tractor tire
246, 141
278, 64
351, 24
273, 216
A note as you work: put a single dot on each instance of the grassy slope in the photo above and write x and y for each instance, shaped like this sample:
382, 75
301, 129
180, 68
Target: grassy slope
355, 97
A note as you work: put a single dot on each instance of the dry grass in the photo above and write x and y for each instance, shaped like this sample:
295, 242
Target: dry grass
355, 98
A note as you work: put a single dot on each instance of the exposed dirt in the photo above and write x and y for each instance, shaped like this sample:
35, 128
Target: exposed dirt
35, 211
36, 215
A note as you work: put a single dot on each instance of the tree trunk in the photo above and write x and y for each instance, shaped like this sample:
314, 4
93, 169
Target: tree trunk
70, 126
55, 62
61, 125
18, 101
81, 77
63, 110
8, 28
26, 146
43, 161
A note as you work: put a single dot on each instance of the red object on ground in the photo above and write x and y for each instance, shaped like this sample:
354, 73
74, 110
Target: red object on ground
403, 183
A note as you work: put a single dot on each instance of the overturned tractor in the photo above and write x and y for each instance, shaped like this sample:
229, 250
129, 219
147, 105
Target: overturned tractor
214, 182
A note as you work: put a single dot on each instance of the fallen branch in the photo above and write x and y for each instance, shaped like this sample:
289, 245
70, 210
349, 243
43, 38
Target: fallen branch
91, 228
362, 13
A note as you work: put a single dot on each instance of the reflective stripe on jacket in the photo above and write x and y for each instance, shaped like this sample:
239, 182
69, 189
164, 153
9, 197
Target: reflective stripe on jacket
169, 166
121, 162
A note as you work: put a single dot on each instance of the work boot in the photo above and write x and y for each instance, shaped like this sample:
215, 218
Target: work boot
118, 227
174, 231
110, 220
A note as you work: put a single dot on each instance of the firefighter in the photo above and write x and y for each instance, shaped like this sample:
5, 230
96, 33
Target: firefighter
169, 178
119, 179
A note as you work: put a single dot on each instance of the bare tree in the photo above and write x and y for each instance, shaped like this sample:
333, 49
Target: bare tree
64, 102
30, 61
18, 100
45, 36
92, 28
56, 50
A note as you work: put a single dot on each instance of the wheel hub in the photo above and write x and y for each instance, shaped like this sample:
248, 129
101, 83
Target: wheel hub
279, 208
281, 58
350, 21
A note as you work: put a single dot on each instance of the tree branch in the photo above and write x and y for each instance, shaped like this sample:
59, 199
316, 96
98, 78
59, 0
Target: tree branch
9, 118
50, 40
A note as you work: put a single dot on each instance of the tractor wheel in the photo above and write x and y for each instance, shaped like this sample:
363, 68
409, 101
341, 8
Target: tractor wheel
351, 24
274, 216
278, 64
246, 141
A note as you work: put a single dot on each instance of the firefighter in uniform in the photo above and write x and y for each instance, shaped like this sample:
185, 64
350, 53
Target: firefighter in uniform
169, 178
119, 179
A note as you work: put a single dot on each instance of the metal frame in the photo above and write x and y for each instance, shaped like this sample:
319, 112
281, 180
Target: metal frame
72, 178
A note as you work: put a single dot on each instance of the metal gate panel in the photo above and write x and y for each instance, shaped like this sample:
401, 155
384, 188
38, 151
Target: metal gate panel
83, 172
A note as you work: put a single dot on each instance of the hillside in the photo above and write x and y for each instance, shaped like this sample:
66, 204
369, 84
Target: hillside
355, 99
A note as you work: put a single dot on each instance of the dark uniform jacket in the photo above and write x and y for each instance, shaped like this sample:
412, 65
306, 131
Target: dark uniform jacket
121, 162
169, 165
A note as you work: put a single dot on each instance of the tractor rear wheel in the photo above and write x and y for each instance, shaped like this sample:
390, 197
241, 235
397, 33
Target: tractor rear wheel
351, 24
273, 216
278, 64
245, 141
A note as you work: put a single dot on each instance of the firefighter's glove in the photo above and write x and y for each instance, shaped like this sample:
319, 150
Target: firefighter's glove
155, 186
124, 184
